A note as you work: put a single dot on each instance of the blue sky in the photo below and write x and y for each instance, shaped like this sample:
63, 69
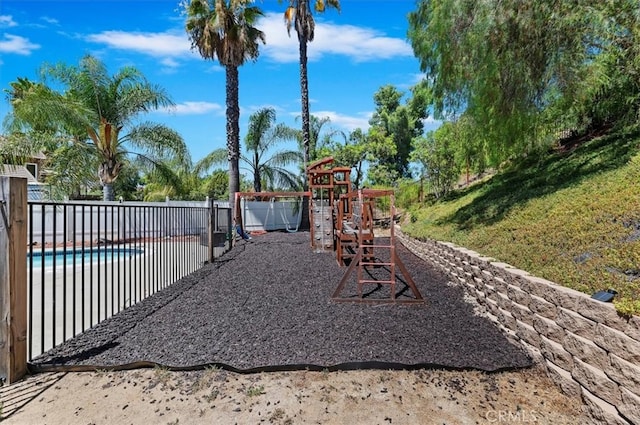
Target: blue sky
354, 53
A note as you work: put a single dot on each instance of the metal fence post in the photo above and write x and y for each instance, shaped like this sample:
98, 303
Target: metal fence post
13, 278
211, 228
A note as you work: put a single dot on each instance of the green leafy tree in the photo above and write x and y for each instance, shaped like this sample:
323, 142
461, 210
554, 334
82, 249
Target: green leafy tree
524, 70
129, 183
265, 166
187, 184
97, 112
436, 153
224, 29
177, 181
300, 16
353, 153
379, 148
401, 123
17, 148
71, 169
469, 146
217, 185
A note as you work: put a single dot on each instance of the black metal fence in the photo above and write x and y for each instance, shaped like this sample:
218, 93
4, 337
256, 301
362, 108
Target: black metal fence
88, 261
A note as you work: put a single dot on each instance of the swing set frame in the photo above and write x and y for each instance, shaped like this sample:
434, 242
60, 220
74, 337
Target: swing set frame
262, 196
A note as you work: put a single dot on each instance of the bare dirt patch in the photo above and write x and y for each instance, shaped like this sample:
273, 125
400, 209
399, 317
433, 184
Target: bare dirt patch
159, 396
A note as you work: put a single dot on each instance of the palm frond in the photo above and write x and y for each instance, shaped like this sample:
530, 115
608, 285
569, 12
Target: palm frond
159, 141
216, 158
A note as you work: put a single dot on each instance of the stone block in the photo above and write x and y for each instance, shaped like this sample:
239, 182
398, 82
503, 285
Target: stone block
479, 283
618, 343
624, 373
596, 381
556, 353
490, 292
504, 302
522, 313
492, 307
517, 272
539, 286
576, 323
596, 310
606, 313
469, 287
562, 378
507, 319
501, 270
500, 285
586, 350
630, 406
477, 272
534, 353
528, 334
548, 328
491, 317
479, 295
467, 269
600, 410
487, 275
518, 295
542, 307
511, 335
562, 297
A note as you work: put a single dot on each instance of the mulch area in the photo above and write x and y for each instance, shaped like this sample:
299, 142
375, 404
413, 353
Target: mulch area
266, 305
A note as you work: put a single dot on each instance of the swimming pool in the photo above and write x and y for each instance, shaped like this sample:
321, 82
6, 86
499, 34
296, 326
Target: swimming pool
89, 255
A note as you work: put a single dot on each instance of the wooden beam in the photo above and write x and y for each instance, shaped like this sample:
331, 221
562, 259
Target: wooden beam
272, 194
13, 278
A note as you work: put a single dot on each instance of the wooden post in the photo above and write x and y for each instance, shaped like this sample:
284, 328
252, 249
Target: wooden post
13, 278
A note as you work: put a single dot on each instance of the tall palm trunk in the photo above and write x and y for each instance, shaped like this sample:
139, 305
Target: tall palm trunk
108, 194
108, 172
233, 131
304, 97
257, 177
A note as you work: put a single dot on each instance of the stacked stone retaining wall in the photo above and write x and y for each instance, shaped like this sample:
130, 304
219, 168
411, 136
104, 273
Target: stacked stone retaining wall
586, 347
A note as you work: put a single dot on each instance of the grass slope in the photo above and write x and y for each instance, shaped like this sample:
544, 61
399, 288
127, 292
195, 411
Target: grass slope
572, 218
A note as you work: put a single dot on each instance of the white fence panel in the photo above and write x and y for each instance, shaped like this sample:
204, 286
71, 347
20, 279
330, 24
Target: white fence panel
272, 215
115, 221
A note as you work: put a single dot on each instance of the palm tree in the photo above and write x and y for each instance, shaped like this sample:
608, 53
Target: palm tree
299, 15
319, 145
262, 136
96, 113
224, 29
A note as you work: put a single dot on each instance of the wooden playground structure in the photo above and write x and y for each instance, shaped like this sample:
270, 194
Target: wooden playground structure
343, 220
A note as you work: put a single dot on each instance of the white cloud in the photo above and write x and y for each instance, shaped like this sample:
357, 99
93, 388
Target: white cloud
360, 44
162, 45
49, 20
347, 122
7, 21
169, 63
193, 108
17, 45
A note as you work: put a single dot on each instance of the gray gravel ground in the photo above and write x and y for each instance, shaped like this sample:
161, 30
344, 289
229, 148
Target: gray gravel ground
266, 305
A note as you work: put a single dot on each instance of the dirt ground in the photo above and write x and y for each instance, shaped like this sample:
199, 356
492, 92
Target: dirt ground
215, 396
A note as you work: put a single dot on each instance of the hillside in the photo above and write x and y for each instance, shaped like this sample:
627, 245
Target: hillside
571, 217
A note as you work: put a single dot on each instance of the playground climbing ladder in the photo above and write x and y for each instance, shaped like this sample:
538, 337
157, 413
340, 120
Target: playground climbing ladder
361, 227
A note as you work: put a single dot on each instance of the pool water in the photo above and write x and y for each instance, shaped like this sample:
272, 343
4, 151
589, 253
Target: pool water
46, 259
